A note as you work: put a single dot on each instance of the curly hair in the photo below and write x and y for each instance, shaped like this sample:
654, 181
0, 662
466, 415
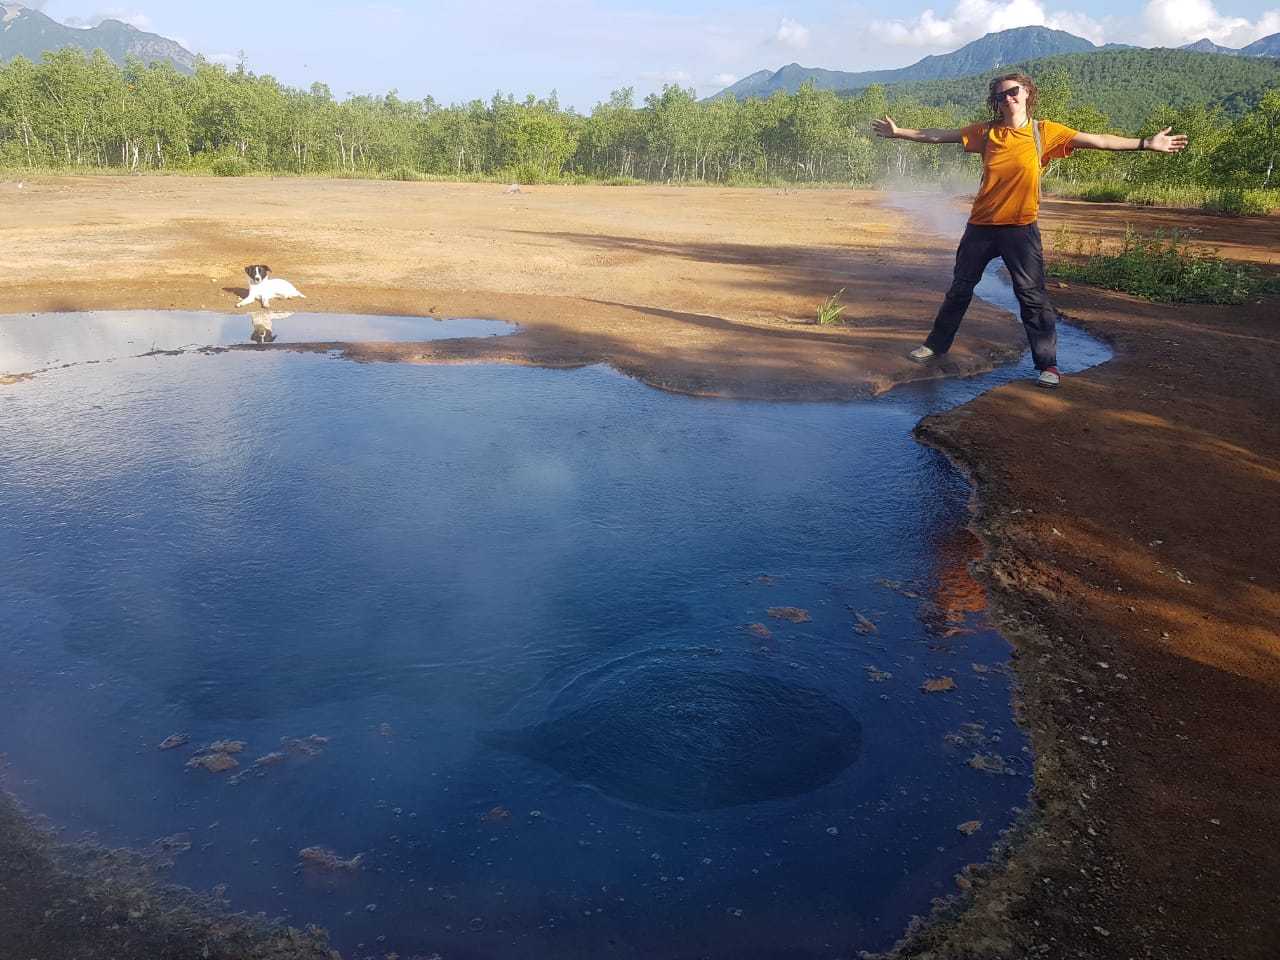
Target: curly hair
1027, 84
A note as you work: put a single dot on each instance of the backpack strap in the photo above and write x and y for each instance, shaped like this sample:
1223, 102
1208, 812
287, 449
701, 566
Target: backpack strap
1040, 168
986, 136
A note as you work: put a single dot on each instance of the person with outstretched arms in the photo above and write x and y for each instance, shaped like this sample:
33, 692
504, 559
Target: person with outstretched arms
1015, 147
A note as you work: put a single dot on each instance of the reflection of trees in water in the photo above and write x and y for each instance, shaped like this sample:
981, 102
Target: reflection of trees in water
953, 592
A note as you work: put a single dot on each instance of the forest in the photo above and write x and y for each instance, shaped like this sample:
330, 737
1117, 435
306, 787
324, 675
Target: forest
73, 112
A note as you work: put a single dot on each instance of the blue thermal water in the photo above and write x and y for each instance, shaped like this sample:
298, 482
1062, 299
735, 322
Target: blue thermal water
521, 638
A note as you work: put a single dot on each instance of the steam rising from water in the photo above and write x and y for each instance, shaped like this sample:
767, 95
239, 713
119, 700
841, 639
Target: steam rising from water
941, 210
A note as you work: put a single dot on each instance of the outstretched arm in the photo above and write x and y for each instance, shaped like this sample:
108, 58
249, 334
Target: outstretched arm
1162, 142
885, 127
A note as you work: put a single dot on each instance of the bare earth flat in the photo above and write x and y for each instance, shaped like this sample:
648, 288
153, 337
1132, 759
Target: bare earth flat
692, 290
1130, 517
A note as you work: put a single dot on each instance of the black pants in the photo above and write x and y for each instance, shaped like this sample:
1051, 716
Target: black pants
1020, 249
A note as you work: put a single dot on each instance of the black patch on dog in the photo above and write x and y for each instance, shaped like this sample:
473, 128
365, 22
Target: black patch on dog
257, 272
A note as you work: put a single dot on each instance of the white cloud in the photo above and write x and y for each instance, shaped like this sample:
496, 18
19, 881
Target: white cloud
725, 79
792, 34
134, 18
1077, 23
1171, 23
971, 19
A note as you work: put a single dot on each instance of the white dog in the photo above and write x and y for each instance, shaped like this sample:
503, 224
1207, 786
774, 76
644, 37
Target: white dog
264, 287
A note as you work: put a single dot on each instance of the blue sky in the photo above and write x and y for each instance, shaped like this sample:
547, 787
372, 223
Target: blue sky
583, 49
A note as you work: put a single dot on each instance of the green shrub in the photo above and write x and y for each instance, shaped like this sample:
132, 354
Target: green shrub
1105, 193
1163, 266
528, 172
1261, 203
1094, 191
1164, 195
229, 167
1235, 201
1239, 202
405, 173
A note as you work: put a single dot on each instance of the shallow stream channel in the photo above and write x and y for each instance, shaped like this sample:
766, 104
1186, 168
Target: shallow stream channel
491, 661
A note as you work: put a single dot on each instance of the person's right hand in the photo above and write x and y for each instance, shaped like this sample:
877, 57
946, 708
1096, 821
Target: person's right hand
885, 127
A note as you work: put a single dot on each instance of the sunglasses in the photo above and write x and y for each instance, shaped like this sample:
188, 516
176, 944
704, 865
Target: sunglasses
1009, 92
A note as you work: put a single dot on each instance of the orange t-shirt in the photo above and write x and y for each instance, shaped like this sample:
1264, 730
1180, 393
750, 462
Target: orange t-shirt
1010, 191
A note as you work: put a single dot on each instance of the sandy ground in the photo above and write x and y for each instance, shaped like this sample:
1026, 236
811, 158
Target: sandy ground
700, 291
1130, 517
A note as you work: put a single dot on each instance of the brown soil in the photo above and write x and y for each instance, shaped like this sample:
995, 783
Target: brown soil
699, 291
1253, 240
1130, 517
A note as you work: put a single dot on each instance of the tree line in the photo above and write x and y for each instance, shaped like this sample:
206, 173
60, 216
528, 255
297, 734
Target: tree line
78, 112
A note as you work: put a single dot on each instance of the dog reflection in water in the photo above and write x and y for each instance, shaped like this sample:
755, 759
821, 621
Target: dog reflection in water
261, 326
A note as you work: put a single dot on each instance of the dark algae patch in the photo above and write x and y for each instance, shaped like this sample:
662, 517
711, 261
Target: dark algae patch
688, 742
64, 901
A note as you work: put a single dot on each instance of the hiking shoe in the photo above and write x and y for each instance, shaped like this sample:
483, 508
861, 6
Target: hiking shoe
1048, 378
921, 354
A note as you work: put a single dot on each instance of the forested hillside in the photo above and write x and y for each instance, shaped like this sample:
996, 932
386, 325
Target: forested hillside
985, 53
30, 33
1129, 85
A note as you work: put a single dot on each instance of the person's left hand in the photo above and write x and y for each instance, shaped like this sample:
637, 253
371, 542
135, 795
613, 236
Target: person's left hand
1164, 142
885, 127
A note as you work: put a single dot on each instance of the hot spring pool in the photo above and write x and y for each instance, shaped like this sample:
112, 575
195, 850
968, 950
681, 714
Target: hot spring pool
579, 668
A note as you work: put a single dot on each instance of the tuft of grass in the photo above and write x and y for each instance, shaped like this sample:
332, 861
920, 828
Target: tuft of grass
832, 311
1168, 267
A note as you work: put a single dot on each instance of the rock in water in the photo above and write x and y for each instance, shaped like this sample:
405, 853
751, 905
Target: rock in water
700, 741
325, 859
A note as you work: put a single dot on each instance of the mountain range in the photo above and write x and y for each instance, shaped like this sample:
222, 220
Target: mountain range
1004, 48
25, 32
29, 33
